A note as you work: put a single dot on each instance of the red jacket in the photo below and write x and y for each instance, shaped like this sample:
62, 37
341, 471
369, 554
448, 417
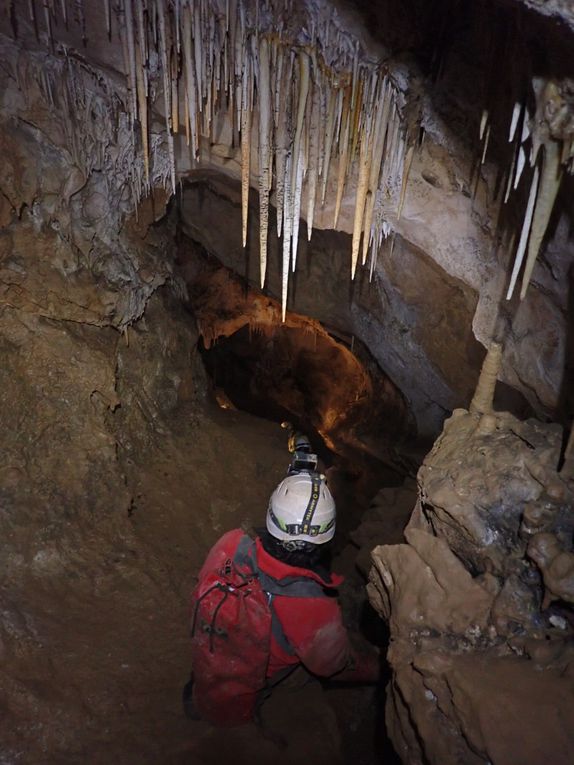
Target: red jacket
313, 627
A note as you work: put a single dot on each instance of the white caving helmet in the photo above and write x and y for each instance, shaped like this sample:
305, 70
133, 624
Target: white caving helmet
302, 509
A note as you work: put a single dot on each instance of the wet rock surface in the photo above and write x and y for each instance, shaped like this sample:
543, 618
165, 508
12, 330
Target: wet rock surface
479, 599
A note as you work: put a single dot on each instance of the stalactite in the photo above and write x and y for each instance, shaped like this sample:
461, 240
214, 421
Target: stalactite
362, 188
141, 85
296, 213
314, 153
483, 123
328, 141
48, 22
514, 122
550, 178
191, 111
407, 168
315, 105
380, 131
164, 56
520, 162
131, 50
265, 156
245, 159
486, 140
287, 232
107, 11
343, 152
524, 233
81, 18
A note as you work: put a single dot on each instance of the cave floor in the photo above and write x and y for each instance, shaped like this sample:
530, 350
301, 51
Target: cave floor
97, 677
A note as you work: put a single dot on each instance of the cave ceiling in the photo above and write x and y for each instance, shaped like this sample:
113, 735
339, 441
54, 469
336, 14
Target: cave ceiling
437, 143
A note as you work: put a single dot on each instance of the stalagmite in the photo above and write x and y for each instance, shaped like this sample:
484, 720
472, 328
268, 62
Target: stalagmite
549, 184
484, 394
265, 157
524, 233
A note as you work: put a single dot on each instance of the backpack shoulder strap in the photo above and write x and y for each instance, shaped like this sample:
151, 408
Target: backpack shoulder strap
246, 557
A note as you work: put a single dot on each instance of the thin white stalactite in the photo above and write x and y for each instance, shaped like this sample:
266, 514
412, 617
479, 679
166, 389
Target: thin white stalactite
328, 142
375, 245
314, 134
521, 161
166, 89
343, 152
379, 133
362, 188
283, 141
142, 38
287, 232
296, 213
108, 12
510, 178
174, 99
142, 109
245, 156
265, 149
191, 111
198, 51
526, 223
514, 122
406, 172
486, 140
304, 73
550, 179
132, 77
483, 121
48, 21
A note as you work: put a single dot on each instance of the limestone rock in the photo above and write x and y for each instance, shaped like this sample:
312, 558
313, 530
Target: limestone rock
481, 661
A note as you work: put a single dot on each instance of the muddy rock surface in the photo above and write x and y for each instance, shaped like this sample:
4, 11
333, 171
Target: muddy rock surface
118, 473
479, 600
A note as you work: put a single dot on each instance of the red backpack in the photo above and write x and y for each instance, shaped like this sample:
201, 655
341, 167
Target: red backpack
232, 622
